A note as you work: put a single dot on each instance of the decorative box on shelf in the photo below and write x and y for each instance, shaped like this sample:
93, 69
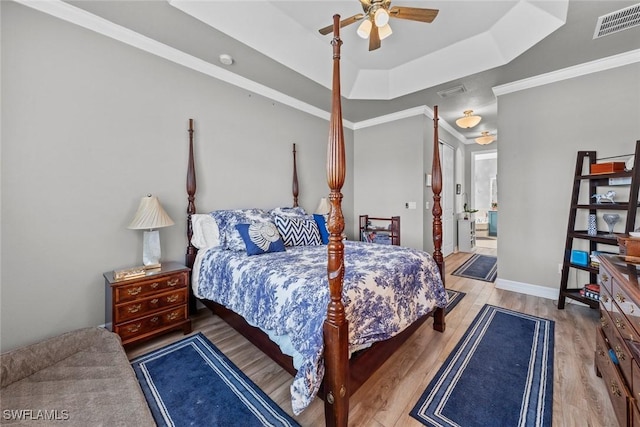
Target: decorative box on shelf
629, 246
609, 167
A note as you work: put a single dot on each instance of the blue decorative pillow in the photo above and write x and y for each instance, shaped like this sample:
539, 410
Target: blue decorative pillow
300, 231
260, 238
227, 221
321, 221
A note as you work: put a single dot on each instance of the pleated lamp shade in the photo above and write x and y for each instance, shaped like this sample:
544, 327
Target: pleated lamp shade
323, 207
150, 215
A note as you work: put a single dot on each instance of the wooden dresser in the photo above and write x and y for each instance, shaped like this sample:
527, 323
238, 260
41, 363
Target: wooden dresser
617, 358
144, 307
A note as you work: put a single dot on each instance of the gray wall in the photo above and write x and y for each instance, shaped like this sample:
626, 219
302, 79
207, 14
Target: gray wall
388, 174
541, 129
391, 161
90, 125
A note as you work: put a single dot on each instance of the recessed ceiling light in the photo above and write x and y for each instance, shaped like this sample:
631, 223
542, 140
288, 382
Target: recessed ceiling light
226, 59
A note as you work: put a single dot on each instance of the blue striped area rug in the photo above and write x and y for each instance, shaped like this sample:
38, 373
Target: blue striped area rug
499, 374
191, 382
479, 267
454, 299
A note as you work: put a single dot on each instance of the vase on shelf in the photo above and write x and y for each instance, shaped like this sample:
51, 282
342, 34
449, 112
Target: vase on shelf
592, 230
611, 220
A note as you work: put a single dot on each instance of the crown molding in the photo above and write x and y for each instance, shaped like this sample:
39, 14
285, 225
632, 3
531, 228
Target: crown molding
82, 18
595, 66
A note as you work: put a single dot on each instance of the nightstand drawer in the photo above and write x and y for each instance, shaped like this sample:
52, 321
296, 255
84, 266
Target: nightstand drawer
151, 323
142, 307
141, 289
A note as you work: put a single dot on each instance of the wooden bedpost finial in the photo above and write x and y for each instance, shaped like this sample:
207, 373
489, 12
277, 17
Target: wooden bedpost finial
336, 328
190, 256
436, 187
294, 188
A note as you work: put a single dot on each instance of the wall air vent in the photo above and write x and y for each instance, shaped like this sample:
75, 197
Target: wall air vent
619, 20
455, 90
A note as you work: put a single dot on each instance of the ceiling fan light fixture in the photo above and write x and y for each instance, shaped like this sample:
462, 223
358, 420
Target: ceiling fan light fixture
381, 17
485, 138
469, 120
385, 32
364, 29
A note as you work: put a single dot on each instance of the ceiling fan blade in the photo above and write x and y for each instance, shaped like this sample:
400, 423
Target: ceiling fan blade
413, 13
374, 38
347, 21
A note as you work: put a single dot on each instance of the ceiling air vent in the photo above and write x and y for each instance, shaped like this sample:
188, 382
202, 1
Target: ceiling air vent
445, 93
619, 20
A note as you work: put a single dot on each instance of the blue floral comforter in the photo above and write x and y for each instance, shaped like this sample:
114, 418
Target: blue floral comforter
386, 288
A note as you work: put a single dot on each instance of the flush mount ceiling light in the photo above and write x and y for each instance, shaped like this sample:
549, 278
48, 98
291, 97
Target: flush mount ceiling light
485, 138
469, 120
376, 16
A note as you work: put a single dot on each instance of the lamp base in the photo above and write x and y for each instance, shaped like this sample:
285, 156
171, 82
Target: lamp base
152, 266
151, 249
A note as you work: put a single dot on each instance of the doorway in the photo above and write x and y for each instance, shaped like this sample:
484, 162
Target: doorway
484, 187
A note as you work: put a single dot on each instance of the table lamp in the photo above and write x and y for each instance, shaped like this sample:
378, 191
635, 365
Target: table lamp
149, 217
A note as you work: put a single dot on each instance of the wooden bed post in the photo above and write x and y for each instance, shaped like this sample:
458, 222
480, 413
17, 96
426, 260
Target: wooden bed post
190, 256
436, 186
336, 327
294, 187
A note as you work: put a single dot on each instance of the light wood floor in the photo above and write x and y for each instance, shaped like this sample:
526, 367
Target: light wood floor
579, 396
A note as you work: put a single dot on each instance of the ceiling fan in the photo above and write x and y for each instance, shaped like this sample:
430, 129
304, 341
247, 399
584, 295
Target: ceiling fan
377, 13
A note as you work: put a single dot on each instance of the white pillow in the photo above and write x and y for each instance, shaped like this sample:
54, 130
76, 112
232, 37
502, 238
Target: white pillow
205, 231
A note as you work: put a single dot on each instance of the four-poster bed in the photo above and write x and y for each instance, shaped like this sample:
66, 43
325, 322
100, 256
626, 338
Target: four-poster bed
344, 371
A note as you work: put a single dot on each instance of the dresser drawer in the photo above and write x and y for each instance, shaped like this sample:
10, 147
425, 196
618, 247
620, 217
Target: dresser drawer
605, 299
635, 388
618, 392
142, 307
141, 289
607, 324
627, 306
151, 323
605, 281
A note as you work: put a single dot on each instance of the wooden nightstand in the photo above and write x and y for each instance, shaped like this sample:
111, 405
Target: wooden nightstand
144, 307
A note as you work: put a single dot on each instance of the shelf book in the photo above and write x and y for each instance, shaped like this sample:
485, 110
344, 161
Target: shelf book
591, 291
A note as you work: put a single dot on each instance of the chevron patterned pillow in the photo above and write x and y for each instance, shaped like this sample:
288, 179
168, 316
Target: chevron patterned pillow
298, 231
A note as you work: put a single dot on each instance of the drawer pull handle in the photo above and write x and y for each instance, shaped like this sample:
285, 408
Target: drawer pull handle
155, 319
134, 328
134, 308
154, 301
620, 354
155, 285
173, 316
173, 282
173, 298
615, 389
605, 278
605, 299
619, 323
134, 291
620, 297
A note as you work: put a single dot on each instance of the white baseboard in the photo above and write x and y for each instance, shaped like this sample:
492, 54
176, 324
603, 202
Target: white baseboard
527, 288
